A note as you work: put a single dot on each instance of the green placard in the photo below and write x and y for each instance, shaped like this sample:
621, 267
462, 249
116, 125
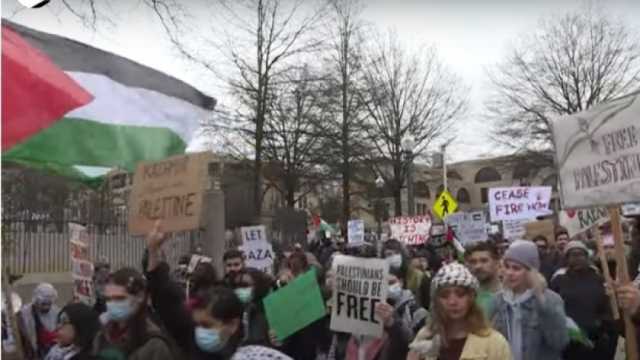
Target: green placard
295, 306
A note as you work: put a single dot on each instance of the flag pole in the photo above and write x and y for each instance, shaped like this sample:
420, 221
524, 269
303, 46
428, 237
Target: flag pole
622, 275
607, 275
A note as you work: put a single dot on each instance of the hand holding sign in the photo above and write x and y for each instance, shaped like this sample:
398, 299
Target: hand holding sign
385, 312
156, 237
359, 295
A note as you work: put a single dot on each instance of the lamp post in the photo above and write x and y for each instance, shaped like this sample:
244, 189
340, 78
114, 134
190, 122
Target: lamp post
379, 212
408, 143
379, 209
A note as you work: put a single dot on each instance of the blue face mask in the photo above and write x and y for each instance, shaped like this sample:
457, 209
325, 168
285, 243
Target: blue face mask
244, 294
119, 310
208, 340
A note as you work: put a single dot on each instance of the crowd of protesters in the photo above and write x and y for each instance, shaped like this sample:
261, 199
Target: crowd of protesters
522, 300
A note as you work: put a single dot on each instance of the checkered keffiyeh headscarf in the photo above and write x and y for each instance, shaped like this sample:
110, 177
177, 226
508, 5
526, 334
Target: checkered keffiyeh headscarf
454, 274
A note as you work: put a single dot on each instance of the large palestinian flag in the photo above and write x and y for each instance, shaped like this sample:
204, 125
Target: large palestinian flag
66, 104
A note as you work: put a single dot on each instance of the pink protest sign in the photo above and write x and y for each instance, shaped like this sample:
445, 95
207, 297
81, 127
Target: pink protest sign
411, 230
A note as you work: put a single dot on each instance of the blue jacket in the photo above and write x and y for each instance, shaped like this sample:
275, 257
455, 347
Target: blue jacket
544, 325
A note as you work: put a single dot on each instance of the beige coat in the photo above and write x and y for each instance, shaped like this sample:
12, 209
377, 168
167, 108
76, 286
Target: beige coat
490, 347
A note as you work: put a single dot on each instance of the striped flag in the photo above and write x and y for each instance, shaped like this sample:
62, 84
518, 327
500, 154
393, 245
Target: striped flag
99, 110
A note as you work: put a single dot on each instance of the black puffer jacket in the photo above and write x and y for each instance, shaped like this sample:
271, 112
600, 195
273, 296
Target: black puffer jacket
168, 301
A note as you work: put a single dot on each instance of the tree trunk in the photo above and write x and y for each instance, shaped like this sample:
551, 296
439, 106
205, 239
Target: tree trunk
257, 175
397, 199
290, 188
346, 195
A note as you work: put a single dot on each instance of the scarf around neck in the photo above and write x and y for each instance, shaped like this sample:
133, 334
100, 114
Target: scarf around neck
514, 320
62, 352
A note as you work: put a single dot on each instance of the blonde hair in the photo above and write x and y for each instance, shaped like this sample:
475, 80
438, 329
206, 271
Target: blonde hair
477, 323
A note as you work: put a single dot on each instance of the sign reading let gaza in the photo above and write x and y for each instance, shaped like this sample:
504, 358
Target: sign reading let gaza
169, 190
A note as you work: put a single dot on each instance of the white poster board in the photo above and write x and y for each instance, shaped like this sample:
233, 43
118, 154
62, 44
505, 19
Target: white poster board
257, 251
81, 266
598, 154
355, 232
580, 220
520, 202
359, 284
196, 260
514, 229
411, 230
631, 209
469, 227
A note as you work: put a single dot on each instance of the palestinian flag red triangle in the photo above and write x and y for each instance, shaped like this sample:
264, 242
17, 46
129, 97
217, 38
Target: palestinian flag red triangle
35, 92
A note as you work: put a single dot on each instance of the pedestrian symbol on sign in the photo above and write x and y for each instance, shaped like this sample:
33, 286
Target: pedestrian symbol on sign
445, 205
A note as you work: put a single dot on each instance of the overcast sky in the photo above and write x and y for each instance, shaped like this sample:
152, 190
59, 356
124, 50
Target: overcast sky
470, 36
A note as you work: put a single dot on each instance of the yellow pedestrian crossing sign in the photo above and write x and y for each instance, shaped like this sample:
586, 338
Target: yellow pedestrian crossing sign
445, 205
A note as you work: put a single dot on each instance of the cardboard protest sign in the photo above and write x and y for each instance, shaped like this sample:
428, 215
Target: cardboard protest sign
516, 203
258, 252
355, 232
469, 227
170, 190
514, 229
81, 266
411, 230
294, 306
580, 220
196, 260
542, 227
359, 284
598, 154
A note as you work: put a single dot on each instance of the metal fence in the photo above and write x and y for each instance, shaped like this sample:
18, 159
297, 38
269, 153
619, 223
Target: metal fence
37, 244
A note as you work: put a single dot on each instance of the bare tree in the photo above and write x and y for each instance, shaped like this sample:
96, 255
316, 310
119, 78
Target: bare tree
569, 64
262, 37
292, 135
344, 131
408, 95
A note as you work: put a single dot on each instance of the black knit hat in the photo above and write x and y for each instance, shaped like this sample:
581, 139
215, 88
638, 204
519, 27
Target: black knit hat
85, 323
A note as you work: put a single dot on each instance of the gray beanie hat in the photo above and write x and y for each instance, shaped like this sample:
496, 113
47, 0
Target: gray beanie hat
576, 244
524, 252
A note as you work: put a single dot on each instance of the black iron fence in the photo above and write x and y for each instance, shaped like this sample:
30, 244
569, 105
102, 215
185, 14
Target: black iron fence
35, 242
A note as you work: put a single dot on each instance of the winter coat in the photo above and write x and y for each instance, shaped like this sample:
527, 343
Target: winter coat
29, 323
574, 288
168, 301
544, 325
410, 312
395, 344
550, 263
302, 345
255, 326
156, 346
490, 347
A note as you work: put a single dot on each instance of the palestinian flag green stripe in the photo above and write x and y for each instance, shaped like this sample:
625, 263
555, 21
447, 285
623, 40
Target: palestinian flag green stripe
92, 143
136, 114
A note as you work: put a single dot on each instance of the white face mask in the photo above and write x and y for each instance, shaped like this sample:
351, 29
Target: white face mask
394, 291
394, 261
